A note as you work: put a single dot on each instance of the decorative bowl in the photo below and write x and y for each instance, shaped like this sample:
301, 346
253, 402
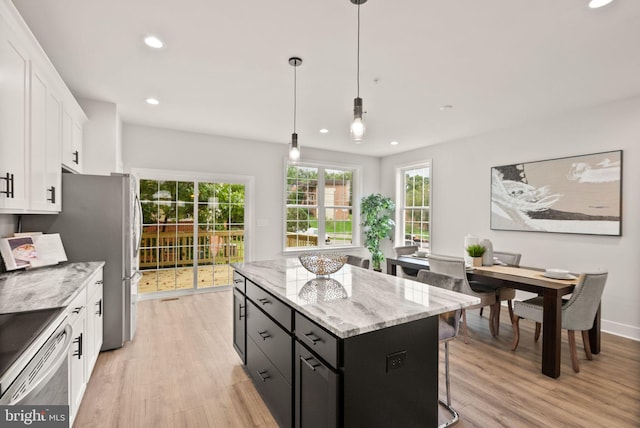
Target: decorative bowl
323, 263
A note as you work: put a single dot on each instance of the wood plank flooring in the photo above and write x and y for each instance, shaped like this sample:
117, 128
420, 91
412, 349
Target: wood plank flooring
181, 371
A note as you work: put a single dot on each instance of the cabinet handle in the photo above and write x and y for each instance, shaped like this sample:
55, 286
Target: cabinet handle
238, 280
311, 366
99, 282
240, 308
9, 179
312, 338
99, 305
52, 189
264, 301
264, 375
76, 157
77, 310
264, 335
78, 352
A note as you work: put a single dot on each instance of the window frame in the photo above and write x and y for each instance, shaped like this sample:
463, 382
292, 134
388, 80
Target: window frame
401, 201
356, 189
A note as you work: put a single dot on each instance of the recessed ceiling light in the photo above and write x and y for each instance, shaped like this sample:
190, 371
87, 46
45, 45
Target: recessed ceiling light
446, 107
153, 42
394, 143
594, 4
324, 130
152, 101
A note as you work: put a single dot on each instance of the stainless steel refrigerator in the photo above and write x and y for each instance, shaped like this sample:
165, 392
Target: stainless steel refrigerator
101, 220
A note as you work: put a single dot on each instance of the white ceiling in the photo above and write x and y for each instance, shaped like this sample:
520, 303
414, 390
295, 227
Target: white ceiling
225, 67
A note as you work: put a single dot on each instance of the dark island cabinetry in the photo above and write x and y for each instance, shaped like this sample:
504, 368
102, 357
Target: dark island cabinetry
239, 315
310, 377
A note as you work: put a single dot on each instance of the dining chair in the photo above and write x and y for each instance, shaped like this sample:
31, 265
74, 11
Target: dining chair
362, 262
404, 251
504, 293
455, 267
448, 326
578, 313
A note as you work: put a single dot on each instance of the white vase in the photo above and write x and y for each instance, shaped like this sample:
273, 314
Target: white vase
487, 257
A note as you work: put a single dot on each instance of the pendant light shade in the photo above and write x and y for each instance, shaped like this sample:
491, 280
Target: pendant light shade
357, 125
294, 148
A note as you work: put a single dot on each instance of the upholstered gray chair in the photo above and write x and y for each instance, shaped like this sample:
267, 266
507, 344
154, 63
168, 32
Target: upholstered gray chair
448, 326
454, 266
578, 313
405, 251
358, 261
504, 293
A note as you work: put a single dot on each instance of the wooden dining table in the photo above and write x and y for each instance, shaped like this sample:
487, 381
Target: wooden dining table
526, 279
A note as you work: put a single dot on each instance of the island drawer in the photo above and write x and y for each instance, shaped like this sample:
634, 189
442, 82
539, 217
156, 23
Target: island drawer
272, 306
238, 281
274, 342
273, 388
318, 340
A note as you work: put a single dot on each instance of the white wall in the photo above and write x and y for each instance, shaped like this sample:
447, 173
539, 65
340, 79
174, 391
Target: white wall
102, 144
461, 198
8, 223
155, 148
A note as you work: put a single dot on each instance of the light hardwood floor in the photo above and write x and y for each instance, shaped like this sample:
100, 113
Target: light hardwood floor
181, 371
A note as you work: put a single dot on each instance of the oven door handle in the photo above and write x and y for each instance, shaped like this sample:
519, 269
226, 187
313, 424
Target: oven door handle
44, 377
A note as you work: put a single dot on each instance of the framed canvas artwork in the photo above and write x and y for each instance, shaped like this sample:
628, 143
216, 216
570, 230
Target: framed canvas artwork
579, 194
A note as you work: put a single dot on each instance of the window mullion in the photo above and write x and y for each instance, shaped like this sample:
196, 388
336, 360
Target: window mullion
321, 208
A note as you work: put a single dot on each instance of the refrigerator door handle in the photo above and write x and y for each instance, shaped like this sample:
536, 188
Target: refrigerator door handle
137, 274
138, 224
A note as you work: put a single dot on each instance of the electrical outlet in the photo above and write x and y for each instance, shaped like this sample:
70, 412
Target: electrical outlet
396, 360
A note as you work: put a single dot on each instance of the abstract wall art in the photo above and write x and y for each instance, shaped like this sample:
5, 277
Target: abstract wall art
578, 194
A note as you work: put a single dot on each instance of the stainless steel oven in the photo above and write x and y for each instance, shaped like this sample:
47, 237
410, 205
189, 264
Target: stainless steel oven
39, 375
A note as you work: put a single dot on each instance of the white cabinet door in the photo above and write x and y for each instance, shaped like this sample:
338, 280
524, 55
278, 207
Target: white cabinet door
94, 322
14, 155
72, 155
45, 174
54, 151
77, 357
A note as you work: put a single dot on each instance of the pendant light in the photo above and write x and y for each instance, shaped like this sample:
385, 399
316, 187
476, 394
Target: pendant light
294, 149
357, 126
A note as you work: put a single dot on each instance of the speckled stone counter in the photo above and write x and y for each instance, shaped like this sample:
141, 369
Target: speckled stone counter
354, 301
45, 287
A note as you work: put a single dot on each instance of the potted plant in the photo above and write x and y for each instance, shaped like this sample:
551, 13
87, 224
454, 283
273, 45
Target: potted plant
475, 252
376, 219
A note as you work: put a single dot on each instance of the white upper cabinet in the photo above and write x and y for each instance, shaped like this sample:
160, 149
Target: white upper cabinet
40, 122
72, 155
46, 143
14, 147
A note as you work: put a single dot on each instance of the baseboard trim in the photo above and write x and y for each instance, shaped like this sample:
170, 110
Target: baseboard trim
623, 330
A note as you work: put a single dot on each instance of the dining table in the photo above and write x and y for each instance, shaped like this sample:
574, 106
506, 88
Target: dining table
526, 279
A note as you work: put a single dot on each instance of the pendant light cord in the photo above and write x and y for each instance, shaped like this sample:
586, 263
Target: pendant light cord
295, 85
358, 55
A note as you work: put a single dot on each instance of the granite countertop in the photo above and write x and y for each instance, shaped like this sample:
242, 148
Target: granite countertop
354, 300
45, 287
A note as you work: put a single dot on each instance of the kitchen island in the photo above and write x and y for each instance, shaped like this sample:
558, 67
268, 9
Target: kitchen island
357, 349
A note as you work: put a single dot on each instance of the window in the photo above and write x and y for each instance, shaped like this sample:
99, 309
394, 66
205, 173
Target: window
193, 229
415, 204
319, 206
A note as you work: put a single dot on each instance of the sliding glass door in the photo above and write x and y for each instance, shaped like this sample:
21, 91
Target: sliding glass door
192, 231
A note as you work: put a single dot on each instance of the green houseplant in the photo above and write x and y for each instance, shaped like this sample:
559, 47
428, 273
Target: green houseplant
476, 251
376, 219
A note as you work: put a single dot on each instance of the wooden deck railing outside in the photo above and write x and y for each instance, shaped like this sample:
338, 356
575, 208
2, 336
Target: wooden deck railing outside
170, 249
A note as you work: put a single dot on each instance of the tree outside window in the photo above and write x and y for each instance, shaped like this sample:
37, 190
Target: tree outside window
416, 205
